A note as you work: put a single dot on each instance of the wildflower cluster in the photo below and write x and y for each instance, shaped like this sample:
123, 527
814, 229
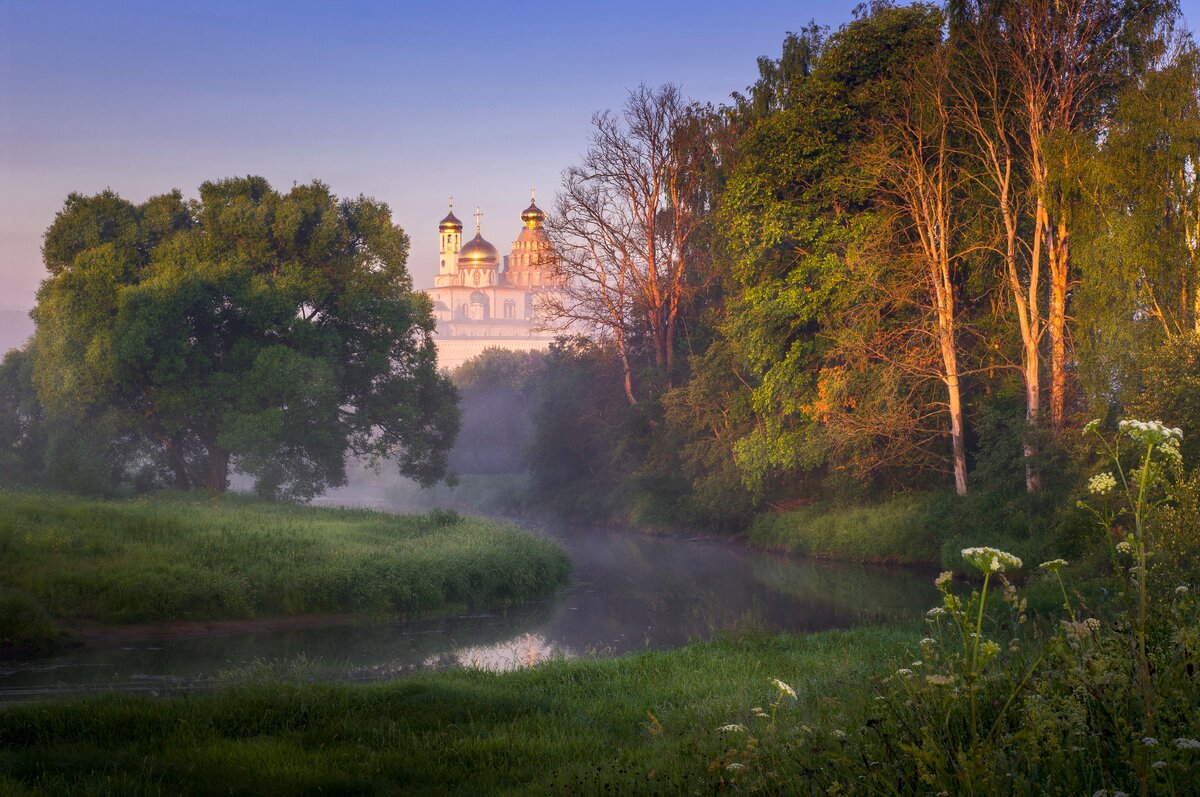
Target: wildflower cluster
991, 560
1102, 483
1150, 433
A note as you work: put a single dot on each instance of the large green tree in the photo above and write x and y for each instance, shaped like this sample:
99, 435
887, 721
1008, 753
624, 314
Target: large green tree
793, 207
250, 329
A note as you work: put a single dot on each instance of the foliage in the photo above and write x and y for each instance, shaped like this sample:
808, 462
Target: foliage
271, 332
791, 212
163, 557
24, 624
1090, 700
902, 529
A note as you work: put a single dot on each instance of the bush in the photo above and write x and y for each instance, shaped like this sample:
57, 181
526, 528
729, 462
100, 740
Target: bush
23, 622
900, 530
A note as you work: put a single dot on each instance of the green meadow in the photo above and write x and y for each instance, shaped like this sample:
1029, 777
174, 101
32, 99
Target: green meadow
641, 724
188, 557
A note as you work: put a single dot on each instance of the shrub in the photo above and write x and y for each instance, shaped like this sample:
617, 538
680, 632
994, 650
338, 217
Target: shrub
23, 621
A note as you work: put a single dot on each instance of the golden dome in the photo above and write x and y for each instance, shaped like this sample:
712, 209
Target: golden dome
451, 222
478, 253
533, 216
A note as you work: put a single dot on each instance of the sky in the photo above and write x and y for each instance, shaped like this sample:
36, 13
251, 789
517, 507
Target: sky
405, 102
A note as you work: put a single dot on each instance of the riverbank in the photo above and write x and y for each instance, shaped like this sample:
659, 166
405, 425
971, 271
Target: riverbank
921, 528
638, 724
66, 560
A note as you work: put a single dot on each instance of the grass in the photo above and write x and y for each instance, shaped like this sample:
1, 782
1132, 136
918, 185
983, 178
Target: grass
898, 530
645, 723
185, 557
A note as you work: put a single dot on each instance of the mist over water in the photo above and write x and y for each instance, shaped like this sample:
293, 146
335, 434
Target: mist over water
628, 591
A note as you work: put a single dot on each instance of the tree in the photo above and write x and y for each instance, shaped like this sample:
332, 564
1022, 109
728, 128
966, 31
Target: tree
913, 283
273, 333
623, 224
794, 207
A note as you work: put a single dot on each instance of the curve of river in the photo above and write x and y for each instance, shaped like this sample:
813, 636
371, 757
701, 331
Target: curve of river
627, 591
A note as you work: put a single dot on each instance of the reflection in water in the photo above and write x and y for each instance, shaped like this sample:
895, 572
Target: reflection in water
628, 591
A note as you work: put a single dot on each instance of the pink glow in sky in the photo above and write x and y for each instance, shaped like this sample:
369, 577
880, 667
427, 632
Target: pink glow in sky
406, 102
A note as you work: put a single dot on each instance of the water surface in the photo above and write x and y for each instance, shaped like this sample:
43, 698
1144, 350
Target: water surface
628, 591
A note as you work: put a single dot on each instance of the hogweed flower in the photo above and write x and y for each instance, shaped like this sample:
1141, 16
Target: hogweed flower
991, 560
732, 727
1170, 451
943, 579
1092, 425
1102, 483
904, 672
1150, 433
1125, 546
1182, 589
1054, 565
783, 688
1187, 744
735, 766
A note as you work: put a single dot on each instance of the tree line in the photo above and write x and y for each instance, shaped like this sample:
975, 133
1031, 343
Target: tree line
914, 253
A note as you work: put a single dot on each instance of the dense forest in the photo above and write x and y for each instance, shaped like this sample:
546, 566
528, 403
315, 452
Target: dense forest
913, 258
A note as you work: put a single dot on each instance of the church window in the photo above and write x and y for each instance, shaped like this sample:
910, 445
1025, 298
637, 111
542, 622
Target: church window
510, 309
477, 277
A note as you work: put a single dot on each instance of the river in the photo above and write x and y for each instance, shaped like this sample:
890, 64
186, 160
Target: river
627, 591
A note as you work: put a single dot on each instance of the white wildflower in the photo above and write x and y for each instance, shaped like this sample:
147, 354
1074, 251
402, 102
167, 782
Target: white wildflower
735, 766
1092, 425
783, 688
1158, 765
1054, 565
839, 733
1149, 741
936, 611
732, 727
928, 641
1182, 589
1125, 547
1150, 433
904, 672
991, 560
943, 579
1187, 744
1102, 483
1170, 451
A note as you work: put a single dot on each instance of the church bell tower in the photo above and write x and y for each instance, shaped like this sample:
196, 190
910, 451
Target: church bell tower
450, 233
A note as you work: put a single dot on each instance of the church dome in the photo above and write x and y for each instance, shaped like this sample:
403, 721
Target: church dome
451, 222
533, 216
478, 253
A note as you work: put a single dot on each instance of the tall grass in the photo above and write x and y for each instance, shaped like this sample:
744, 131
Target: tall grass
168, 557
899, 530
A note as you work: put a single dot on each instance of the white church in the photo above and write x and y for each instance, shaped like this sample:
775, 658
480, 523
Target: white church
482, 302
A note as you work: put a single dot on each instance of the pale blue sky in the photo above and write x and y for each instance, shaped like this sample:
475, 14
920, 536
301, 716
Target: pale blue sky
406, 102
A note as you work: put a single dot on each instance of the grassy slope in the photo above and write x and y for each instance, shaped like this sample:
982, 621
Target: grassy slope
897, 530
563, 727
184, 557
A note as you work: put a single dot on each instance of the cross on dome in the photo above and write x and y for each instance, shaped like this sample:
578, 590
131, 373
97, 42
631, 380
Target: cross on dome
478, 216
